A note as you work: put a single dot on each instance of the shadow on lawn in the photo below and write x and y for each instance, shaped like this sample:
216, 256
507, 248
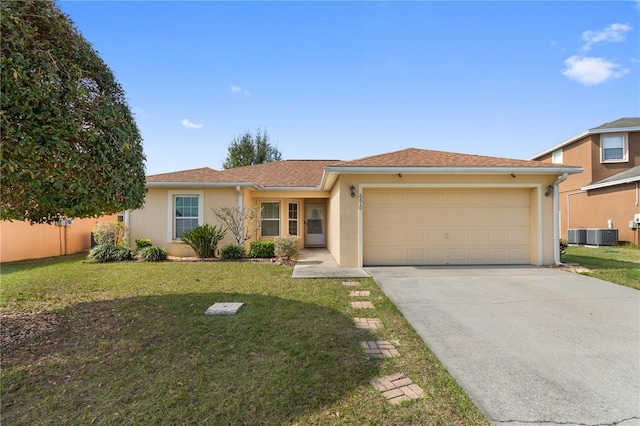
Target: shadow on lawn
599, 263
159, 359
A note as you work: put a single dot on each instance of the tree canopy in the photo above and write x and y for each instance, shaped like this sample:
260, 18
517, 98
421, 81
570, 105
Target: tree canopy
247, 149
69, 143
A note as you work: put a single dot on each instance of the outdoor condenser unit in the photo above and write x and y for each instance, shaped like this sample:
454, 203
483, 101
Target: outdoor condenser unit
577, 236
602, 237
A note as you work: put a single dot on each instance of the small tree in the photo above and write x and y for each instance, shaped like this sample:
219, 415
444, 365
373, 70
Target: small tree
247, 150
109, 233
204, 239
242, 223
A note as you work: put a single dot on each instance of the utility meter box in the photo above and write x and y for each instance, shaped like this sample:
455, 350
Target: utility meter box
636, 218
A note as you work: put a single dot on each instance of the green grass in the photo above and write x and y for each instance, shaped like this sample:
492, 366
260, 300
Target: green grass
620, 265
128, 343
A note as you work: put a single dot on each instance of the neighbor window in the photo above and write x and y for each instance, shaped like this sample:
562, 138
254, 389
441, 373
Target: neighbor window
186, 216
556, 157
293, 218
270, 219
614, 147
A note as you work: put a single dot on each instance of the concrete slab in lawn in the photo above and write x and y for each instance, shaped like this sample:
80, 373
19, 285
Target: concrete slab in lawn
530, 345
224, 308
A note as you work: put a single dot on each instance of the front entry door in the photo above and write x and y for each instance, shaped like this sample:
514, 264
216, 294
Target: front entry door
315, 225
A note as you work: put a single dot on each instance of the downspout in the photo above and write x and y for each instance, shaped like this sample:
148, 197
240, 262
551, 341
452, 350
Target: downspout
126, 227
637, 194
556, 218
239, 191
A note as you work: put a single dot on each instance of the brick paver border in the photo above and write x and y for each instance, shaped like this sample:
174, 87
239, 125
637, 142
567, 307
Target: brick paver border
350, 283
368, 323
362, 305
361, 293
379, 349
397, 388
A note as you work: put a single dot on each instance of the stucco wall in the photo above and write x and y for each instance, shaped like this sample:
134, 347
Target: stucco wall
349, 219
21, 241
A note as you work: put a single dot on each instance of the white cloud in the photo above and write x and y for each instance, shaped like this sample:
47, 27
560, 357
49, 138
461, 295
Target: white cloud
591, 71
238, 89
614, 32
190, 125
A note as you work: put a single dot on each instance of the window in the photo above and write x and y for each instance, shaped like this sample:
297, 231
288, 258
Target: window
270, 219
614, 148
556, 157
293, 218
186, 214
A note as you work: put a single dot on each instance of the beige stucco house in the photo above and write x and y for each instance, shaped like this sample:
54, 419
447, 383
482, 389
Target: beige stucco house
409, 207
607, 193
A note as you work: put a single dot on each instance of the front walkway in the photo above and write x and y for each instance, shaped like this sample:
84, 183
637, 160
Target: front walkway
319, 263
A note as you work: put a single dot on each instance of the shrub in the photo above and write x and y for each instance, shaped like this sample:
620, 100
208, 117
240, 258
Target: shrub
262, 249
110, 253
204, 239
109, 233
143, 243
286, 247
563, 246
232, 252
152, 254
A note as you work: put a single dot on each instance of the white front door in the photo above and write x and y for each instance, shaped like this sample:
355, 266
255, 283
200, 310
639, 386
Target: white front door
315, 225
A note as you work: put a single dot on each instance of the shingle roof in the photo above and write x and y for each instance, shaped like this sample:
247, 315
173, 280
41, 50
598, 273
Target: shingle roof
288, 173
412, 157
620, 124
626, 176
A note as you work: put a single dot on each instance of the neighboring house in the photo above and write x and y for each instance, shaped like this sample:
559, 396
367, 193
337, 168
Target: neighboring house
608, 188
409, 207
21, 240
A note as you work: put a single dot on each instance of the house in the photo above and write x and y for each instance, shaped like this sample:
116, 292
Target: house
606, 194
409, 207
21, 240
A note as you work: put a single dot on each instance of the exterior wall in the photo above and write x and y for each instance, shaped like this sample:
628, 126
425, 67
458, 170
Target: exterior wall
333, 229
593, 209
21, 241
154, 219
541, 208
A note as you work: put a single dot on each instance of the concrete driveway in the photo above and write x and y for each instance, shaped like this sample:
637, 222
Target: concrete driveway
530, 345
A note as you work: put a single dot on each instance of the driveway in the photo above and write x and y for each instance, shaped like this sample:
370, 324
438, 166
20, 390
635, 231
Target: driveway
529, 345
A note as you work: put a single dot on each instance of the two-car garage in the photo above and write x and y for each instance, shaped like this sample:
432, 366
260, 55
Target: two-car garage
446, 225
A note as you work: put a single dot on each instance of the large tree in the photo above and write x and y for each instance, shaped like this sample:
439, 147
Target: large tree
247, 149
68, 140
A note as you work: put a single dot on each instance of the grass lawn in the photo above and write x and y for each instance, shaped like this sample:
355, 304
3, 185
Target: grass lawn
129, 343
620, 265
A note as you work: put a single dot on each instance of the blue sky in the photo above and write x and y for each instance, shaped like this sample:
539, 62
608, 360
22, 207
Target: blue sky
344, 80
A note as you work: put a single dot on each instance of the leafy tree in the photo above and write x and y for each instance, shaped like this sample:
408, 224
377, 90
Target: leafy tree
248, 149
69, 143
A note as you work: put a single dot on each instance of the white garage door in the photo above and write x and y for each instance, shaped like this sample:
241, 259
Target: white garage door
445, 226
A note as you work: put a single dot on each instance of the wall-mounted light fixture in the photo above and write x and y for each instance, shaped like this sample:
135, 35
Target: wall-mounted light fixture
353, 191
513, 176
549, 191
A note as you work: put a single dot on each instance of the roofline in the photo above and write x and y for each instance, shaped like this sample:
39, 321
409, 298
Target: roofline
200, 184
611, 183
456, 170
579, 136
289, 188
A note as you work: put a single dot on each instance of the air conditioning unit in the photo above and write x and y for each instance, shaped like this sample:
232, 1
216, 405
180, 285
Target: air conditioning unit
577, 236
602, 237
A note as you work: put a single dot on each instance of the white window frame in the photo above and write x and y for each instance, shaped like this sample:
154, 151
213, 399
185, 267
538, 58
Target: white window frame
296, 219
171, 213
278, 219
556, 156
625, 147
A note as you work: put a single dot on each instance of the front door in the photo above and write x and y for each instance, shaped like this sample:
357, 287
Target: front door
315, 225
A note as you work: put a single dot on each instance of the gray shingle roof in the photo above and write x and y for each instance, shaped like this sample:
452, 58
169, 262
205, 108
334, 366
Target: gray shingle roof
621, 123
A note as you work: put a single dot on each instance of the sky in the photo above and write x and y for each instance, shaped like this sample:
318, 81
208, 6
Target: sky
345, 80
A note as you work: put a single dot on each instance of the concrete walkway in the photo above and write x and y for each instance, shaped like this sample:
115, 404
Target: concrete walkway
319, 263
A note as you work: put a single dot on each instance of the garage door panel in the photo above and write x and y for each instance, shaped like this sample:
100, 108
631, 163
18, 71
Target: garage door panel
453, 226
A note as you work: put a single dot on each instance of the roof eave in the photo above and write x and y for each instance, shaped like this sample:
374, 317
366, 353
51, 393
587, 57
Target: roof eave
612, 183
579, 136
454, 170
200, 184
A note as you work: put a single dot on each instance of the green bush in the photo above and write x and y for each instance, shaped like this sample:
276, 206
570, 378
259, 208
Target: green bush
286, 247
143, 243
152, 254
204, 239
109, 233
232, 252
563, 246
104, 253
262, 249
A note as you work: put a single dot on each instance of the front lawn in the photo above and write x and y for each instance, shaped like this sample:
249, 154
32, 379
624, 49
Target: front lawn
129, 343
620, 265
